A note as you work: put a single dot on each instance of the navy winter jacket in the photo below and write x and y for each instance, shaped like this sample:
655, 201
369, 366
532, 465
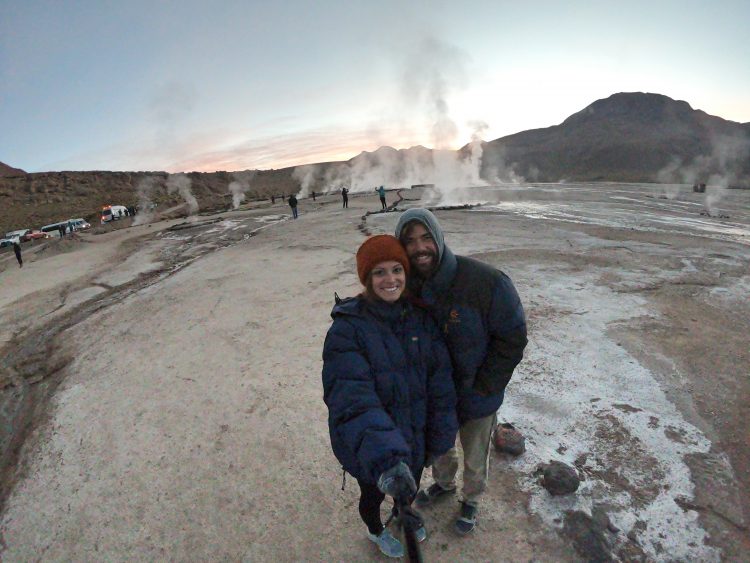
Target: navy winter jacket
481, 315
388, 387
478, 310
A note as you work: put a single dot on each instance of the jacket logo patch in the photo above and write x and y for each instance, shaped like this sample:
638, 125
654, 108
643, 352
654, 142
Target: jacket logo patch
453, 319
415, 338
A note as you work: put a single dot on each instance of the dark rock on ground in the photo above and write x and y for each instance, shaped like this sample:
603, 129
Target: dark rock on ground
558, 478
509, 440
588, 537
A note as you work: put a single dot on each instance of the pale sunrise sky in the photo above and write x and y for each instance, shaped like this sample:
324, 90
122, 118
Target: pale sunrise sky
225, 85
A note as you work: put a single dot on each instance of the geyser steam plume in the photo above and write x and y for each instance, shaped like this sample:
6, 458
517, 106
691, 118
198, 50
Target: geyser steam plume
433, 71
725, 166
239, 185
180, 183
144, 192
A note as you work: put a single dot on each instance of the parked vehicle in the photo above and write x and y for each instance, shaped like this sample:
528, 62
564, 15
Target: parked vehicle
34, 234
113, 212
19, 234
79, 224
26, 235
53, 227
7, 242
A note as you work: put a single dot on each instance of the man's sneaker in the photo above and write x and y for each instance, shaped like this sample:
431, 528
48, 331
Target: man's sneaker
467, 520
427, 496
388, 545
421, 534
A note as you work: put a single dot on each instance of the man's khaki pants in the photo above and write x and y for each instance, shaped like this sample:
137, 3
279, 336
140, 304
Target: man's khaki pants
475, 436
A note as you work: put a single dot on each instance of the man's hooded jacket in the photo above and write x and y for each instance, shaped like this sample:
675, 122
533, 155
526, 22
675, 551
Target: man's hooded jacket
388, 386
481, 316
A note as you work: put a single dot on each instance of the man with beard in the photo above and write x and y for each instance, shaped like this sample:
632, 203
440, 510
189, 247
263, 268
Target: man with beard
481, 316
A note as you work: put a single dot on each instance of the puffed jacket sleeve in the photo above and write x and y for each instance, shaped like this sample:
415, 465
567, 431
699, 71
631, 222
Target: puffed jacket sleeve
507, 339
362, 432
442, 420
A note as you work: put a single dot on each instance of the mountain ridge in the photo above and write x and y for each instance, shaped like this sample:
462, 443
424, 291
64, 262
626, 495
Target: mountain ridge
629, 137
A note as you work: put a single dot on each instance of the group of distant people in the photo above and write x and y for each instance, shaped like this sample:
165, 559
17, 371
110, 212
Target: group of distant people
293, 202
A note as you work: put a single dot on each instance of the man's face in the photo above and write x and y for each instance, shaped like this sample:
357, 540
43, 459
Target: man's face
421, 249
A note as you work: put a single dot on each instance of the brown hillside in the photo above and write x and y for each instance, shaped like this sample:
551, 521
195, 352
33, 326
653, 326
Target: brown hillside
6, 170
33, 200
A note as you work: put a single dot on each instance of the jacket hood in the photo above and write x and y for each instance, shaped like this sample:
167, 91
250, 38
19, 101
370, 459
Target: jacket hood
430, 223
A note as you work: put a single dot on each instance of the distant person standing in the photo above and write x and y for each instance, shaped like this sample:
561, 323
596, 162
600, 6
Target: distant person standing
345, 197
381, 193
17, 250
313, 194
293, 205
61, 229
273, 199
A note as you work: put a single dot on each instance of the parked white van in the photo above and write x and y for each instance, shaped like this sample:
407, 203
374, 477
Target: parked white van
113, 212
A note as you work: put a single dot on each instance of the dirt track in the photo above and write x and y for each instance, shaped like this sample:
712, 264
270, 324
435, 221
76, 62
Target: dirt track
188, 423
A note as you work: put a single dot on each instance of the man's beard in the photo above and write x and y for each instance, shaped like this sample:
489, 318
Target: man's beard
424, 271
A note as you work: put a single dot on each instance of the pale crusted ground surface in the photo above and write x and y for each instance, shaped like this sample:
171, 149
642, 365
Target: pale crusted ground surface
189, 424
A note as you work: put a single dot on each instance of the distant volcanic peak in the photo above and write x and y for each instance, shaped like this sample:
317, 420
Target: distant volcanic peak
635, 106
6, 170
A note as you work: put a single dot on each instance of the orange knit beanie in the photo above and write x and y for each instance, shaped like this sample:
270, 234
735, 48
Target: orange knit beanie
377, 249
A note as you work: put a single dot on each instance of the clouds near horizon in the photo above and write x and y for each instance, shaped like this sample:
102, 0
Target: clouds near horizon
227, 85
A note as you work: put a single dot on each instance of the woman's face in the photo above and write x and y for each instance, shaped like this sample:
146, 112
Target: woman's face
388, 280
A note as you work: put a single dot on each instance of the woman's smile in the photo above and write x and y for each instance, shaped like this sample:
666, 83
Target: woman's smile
388, 280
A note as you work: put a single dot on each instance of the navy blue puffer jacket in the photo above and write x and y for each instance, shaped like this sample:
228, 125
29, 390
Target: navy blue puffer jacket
388, 386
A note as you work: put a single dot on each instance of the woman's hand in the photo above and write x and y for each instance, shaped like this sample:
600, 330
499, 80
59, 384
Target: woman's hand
397, 481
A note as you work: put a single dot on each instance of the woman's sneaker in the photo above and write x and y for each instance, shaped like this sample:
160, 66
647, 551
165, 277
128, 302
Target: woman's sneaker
388, 545
421, 534
425, 497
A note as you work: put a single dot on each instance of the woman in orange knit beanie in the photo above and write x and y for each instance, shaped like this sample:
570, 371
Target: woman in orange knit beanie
387, 382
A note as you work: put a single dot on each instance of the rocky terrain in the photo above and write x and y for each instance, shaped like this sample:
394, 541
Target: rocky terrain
162, 396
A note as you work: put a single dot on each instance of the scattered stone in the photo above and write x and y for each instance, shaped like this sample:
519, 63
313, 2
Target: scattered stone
588, 537
508, 440
626, 408
558, 478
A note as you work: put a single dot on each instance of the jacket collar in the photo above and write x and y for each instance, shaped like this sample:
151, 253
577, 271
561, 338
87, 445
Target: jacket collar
357, 306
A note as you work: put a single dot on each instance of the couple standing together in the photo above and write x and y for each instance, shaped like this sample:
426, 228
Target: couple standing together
423, 354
